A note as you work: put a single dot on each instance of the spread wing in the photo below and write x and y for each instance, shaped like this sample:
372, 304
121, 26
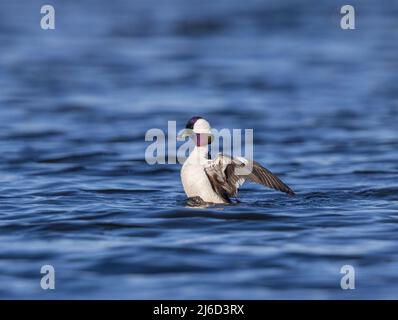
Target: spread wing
227, 174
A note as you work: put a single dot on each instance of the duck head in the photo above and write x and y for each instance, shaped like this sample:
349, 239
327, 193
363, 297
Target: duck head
198, 129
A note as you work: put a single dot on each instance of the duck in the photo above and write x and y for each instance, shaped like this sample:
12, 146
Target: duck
216, 181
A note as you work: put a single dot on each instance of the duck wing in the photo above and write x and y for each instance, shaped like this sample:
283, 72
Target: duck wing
226, 174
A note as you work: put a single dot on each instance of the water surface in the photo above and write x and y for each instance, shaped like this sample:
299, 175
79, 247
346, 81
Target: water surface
76, 192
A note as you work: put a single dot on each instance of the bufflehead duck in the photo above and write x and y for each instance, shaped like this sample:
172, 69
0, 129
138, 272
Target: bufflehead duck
216, 181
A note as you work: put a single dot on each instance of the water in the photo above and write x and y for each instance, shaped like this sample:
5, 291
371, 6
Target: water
76, 193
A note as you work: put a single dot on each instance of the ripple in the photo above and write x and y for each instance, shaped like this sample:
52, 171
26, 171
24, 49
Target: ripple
380, 193
120, 191
76, 157
33, 135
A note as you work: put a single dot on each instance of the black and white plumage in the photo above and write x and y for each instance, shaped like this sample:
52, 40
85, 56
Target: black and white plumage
227, 174
216, 181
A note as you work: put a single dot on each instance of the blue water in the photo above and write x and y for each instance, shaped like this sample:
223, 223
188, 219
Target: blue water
76, 192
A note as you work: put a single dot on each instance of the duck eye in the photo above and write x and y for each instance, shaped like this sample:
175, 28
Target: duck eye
192, 121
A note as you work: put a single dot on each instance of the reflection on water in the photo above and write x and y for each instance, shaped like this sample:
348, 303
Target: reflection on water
76, 193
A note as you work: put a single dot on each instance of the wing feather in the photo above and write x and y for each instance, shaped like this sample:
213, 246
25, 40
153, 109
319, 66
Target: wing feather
227, 174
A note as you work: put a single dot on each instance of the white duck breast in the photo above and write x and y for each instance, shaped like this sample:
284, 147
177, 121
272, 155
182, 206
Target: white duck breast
194, 178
